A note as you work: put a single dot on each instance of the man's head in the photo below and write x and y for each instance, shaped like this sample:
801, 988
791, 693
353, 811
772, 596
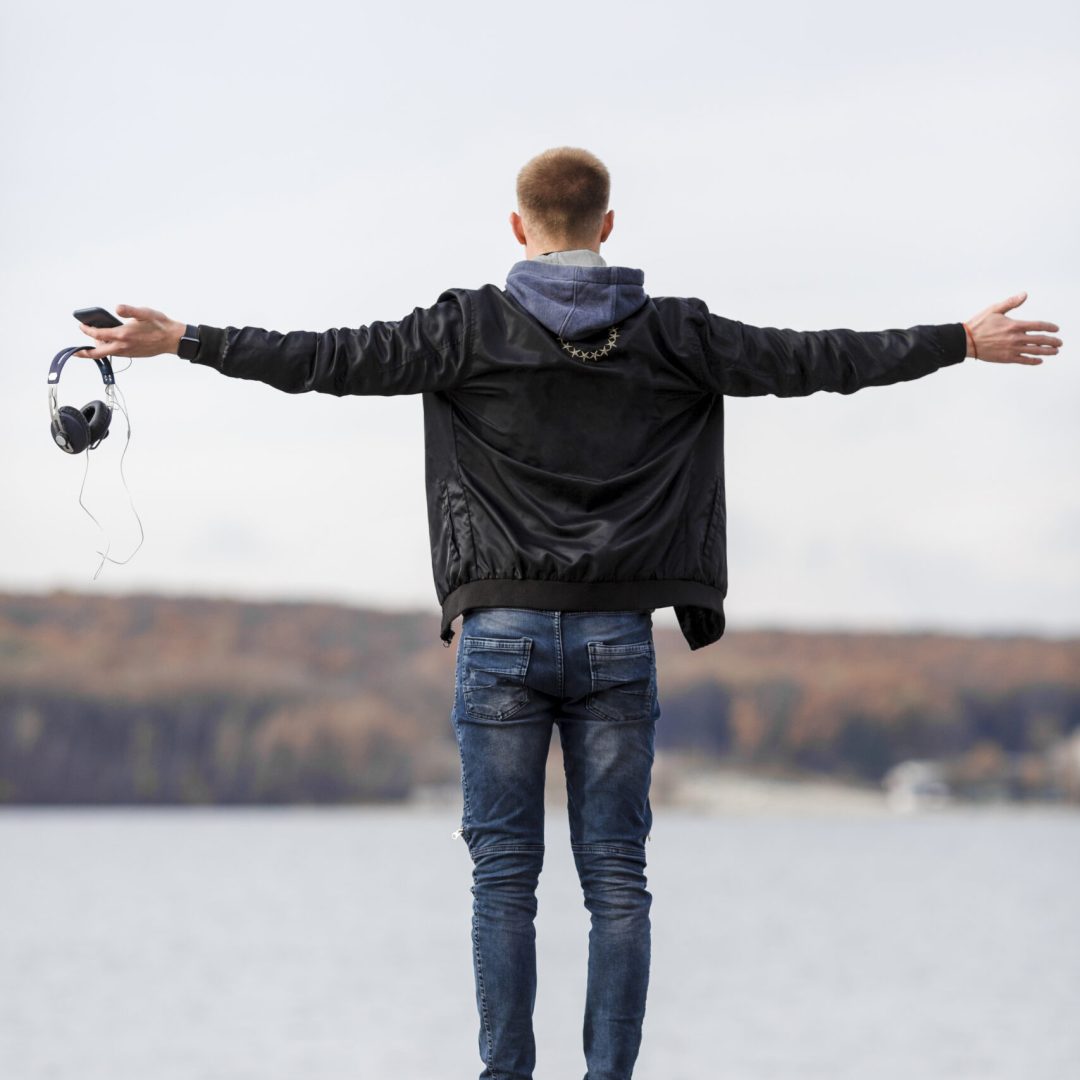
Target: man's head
562, 202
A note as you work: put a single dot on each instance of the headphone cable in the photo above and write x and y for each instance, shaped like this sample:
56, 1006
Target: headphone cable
120, 402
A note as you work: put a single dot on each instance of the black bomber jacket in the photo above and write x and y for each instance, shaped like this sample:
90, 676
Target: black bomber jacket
585, 474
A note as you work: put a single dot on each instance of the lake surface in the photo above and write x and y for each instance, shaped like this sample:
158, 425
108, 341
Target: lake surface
325, 944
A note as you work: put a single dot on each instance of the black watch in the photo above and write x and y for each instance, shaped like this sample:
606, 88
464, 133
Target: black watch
188, 348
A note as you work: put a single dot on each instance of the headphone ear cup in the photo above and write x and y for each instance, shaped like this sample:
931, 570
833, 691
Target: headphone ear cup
70, 430
98, 416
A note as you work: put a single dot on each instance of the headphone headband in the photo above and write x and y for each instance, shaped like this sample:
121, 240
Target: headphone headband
61, 358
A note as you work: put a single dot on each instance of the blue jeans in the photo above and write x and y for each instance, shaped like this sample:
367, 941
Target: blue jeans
594, 674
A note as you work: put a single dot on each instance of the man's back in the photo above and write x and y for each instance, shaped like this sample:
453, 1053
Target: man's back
573, 483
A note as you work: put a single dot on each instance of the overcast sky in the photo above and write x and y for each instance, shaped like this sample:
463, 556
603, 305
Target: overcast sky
327, 164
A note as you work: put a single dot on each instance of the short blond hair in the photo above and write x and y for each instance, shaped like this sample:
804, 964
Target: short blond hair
563, 193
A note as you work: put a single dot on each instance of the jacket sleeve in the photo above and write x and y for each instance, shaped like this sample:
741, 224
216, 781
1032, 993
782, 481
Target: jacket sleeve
426, 350
746, 361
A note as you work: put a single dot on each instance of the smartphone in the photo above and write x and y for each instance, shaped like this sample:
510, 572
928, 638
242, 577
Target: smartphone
96, 316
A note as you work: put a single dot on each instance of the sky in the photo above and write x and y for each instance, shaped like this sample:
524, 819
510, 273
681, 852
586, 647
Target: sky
328, 164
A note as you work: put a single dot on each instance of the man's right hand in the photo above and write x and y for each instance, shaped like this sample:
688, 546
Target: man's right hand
1002, 340
147, 334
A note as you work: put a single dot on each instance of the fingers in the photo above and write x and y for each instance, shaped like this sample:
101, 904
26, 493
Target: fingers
126, 311
1031, 350
1038, 326
110, 343
1035, 346
1007, 305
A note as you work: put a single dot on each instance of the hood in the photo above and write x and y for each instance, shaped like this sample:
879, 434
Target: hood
576, 301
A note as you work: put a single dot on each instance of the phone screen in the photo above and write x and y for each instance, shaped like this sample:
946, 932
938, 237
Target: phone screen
96, 316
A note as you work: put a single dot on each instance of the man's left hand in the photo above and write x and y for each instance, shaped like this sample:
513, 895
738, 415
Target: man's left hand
148, 333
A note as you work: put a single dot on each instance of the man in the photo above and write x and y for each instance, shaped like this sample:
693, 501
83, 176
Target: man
575, 483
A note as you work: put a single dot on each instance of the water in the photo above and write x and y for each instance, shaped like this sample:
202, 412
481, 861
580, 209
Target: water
324, 944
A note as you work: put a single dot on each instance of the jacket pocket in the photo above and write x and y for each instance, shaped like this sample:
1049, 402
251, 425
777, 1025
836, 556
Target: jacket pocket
493, 682
716, 525
623, 679
448, 520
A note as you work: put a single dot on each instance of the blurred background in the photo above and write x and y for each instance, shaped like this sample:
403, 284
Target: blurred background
227, 774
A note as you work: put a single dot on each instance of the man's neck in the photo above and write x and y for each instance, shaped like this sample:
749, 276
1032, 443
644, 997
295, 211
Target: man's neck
574, 257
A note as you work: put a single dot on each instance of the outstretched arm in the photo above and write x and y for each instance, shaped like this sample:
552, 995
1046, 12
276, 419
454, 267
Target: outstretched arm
426, 350
743, 361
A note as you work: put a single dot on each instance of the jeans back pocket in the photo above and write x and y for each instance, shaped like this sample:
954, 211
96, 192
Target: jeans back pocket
623, 680
493, 683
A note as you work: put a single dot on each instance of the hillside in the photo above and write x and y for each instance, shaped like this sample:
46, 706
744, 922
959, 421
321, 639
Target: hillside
153, 699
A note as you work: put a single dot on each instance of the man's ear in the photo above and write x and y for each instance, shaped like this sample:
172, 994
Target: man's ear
609, 224
517, 227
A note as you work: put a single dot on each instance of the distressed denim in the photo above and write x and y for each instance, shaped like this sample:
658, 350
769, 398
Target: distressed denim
594, 675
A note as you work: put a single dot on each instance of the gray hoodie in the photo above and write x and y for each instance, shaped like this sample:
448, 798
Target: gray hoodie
575, 294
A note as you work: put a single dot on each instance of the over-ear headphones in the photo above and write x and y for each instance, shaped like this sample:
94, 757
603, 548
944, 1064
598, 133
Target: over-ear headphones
75, 430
